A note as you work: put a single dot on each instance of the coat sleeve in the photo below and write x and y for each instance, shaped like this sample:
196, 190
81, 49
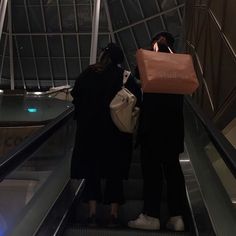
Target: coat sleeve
135, 88
76, 91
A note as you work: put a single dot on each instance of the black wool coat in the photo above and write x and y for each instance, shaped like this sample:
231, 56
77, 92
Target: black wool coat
162, 122
100, 150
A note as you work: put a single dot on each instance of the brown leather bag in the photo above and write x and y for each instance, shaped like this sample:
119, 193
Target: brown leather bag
166, 72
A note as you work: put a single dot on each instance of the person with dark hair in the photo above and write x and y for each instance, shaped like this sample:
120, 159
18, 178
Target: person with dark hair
101, 151
161, 137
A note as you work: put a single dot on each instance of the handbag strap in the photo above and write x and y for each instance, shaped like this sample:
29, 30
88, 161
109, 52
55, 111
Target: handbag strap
126, 75
155, 48
170, 50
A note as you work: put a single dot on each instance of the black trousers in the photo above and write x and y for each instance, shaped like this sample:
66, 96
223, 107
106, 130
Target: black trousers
157, 167
112, 192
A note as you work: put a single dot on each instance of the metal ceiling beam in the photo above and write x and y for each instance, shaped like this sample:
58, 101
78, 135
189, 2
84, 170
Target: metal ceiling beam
20, 64
126, 59
12, 75
77, 36
131, 30
145, 23
159, 8
3, 6
222, 34
95, 26
109, 21
31, 44
179, 13
62, 42
149, 18
202, 73
56, 34
3, 56
47, 44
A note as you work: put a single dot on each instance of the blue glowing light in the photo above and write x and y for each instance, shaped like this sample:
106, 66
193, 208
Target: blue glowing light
32, 109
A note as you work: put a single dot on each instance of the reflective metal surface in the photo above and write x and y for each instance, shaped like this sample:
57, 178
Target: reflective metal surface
201, 221
21, 109
30, 190
220, 208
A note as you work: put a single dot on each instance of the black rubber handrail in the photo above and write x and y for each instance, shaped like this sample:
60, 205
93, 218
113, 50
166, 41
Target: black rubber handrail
58, 216
223, 146
20, 153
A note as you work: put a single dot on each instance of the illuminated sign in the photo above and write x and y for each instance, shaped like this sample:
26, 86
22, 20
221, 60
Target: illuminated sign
32, 109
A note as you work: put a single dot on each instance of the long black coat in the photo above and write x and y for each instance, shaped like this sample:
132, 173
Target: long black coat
162, 122
101, 150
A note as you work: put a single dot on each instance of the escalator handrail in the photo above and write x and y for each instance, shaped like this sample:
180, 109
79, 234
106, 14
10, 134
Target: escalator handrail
224, 147
20, 153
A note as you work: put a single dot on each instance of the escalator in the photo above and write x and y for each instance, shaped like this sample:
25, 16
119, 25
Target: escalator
54, 203
128, 211
34, 174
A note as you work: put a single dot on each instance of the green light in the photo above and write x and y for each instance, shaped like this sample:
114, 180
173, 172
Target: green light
32, 109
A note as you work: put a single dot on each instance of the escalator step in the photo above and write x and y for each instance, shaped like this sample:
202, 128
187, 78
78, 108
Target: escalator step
75, 231
128, 211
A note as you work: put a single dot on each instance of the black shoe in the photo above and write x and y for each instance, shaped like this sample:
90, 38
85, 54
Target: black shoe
92, 221
113, 222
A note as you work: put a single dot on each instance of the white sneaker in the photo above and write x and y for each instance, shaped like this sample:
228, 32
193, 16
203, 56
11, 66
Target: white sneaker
175, 223
145, 222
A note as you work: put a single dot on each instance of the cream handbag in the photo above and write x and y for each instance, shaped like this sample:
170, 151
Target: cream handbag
123, 111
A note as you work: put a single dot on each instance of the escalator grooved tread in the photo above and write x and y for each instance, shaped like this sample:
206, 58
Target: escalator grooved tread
75, 230
128, 211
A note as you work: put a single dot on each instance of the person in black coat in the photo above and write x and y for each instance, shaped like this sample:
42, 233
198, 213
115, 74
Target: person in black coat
161, 136
101, 151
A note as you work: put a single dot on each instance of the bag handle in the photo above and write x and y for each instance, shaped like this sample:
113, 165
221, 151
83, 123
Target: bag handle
170, 50
156, 48
126, 75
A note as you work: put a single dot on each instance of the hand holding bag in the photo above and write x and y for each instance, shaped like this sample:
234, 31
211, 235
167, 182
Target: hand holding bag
166, 72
